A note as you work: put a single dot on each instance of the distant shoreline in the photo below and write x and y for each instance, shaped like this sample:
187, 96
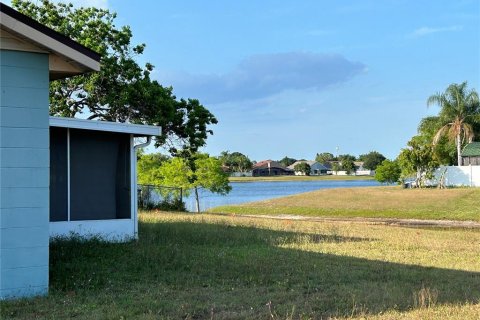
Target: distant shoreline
299, 178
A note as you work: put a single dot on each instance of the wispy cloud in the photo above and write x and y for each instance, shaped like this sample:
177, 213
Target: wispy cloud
261, 76
425, 31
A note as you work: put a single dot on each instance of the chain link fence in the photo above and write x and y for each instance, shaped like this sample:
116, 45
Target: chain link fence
152, 197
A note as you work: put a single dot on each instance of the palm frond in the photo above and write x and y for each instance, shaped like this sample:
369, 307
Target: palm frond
436, 99
459, 114
468, 132
440, 133
453, 132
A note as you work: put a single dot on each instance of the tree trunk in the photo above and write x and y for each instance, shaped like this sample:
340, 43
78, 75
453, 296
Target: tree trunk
197, 200
459, 150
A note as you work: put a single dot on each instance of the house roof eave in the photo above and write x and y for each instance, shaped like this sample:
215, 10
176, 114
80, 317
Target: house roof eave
31, 31
139, 130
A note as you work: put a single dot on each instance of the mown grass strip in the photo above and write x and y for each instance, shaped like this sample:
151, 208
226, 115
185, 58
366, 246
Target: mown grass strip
371, 202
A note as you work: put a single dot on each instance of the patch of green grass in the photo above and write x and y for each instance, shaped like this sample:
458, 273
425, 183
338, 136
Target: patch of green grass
188, 266
299, 178
372, 202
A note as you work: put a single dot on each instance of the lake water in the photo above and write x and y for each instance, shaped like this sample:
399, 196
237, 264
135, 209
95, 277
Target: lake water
254, 191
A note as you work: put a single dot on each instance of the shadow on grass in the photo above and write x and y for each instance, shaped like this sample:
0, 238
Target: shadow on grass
187, 269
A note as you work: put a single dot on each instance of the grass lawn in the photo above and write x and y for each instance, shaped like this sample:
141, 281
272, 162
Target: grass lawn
188, 266
384, 202
298, 178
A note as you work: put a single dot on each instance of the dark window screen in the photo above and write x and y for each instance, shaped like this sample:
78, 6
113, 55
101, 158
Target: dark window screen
99, 175
58, 174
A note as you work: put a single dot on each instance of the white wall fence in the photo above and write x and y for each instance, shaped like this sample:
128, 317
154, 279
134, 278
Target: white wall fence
357, 173
468, 176
241, 174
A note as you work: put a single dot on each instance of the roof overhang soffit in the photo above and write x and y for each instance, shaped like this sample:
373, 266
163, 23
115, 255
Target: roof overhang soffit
64, 59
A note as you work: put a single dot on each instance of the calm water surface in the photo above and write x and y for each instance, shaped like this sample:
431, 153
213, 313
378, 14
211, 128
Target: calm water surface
254, 191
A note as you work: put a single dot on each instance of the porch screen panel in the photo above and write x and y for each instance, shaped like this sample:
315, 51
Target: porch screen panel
58, 174
96, 158
122, 183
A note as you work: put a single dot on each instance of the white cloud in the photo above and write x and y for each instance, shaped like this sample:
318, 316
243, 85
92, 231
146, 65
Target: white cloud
424, 31
261, 76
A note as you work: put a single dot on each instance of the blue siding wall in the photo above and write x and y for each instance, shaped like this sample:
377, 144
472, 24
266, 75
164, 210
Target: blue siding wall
24, 174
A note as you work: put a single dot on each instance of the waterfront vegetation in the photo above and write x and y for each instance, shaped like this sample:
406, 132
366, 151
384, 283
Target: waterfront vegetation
188, 266
372, 202
300, 178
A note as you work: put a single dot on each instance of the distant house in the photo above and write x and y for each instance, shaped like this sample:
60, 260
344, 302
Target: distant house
471, 154
270, 168
330, 166
360, 170
316, 168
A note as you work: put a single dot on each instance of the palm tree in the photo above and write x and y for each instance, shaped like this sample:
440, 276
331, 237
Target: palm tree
460, 111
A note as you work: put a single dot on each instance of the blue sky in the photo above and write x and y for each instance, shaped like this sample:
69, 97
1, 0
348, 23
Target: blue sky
299, 77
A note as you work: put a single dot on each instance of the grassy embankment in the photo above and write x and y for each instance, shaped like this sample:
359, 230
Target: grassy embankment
380, 202
299, 178
188, 266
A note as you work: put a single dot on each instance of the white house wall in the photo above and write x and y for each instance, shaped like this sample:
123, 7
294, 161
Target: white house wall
116, 230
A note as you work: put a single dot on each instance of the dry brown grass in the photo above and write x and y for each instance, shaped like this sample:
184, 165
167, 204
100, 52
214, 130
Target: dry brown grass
387, 202
383, 198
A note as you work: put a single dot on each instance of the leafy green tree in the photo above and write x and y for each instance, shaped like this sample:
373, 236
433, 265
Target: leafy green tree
225, 159
388, 172
208, 174
324, 157
417, 160
302, 167
348, 165
372, 159
235, 161
336, 167
243, 163
444, 151
286, 161
459, 113
346, 157
148, 167
175, 173
122, 90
